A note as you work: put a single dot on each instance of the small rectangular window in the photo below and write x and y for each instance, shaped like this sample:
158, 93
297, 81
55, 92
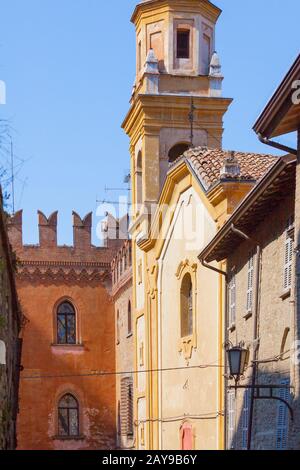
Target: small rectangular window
183, 44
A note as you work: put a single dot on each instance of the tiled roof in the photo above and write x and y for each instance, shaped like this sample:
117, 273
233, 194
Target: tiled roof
208, 163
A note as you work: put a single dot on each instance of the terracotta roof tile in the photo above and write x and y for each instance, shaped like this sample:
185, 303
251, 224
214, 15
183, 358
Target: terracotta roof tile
208, 163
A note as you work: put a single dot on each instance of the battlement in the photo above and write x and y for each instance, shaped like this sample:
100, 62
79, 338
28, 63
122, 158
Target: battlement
113, 231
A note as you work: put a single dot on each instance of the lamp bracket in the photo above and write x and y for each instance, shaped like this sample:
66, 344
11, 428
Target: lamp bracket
258, 396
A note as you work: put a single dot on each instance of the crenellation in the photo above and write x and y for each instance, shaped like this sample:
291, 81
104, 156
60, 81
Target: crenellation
82, 231
47, 230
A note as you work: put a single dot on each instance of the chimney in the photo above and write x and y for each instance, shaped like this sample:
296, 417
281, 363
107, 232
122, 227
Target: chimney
14, 226
48, 230
82, 231
231, 168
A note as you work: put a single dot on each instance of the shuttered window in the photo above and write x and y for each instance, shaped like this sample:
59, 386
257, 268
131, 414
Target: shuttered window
250, 282
283, 417
127, 407
245, 419
232, 300
288, 255
231, 419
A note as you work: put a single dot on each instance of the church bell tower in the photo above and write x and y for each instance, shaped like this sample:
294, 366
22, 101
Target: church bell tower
176, 67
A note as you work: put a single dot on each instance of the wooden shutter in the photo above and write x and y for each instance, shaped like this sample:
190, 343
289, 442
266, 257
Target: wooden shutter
245, 419
288, 256
282, 418
250, 282
126, 407
231, 419
232, 301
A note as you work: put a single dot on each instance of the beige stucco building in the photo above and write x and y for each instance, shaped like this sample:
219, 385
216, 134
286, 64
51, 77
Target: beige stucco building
178, 205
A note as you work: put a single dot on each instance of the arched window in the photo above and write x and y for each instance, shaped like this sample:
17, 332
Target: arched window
129, 318
186, 306
68, 416
66, 324
176, 151
139, 179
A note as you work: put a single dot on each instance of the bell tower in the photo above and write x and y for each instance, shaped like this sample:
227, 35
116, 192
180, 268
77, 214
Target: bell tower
176, 63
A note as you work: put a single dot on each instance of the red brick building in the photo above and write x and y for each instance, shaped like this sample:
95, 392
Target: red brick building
68, 339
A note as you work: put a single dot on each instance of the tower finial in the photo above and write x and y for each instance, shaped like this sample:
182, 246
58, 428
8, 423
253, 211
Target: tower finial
215, 69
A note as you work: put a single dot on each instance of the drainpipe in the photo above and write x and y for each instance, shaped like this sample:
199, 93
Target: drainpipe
255, 332
276, 145
222, 273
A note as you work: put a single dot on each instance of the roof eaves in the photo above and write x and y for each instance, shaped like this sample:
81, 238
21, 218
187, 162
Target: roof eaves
246, 204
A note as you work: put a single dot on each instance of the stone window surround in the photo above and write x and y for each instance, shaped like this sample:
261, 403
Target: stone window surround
186, 345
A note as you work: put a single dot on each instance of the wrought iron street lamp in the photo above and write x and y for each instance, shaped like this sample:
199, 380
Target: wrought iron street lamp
237, 360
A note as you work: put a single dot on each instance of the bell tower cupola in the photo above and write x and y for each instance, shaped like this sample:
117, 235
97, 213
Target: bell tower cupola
176, 62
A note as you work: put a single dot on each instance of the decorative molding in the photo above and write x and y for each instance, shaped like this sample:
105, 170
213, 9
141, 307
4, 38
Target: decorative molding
61, 272
182, 268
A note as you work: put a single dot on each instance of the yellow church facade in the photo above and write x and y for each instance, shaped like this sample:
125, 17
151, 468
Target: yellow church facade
179, 202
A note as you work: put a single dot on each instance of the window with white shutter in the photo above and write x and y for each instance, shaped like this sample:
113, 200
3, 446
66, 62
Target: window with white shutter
283, 417
245, 419
250, 282
231, 419
232, 301
288, 255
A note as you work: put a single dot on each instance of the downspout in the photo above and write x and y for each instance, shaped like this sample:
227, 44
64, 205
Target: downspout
222, 273
276, 145
255, 332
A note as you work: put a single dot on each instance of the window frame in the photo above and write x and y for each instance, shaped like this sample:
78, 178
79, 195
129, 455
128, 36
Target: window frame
186, 344
187, 317
231, 419
288, 255
129, 318
232, 301
250, 282
184, 32
67, 326
283, 418
77, 408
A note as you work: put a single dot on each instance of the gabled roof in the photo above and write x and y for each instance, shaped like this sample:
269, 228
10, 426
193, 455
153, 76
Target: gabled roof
207, 164
282, 114
264, 197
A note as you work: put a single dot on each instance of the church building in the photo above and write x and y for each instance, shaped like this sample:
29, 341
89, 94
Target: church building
184, 188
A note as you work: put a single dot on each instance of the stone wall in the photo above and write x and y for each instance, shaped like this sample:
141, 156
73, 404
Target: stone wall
10, 322
276, 324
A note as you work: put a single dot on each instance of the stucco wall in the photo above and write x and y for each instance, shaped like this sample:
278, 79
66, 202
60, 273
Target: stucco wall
189, 392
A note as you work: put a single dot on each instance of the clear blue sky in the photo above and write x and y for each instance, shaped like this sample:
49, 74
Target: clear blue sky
69, 68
